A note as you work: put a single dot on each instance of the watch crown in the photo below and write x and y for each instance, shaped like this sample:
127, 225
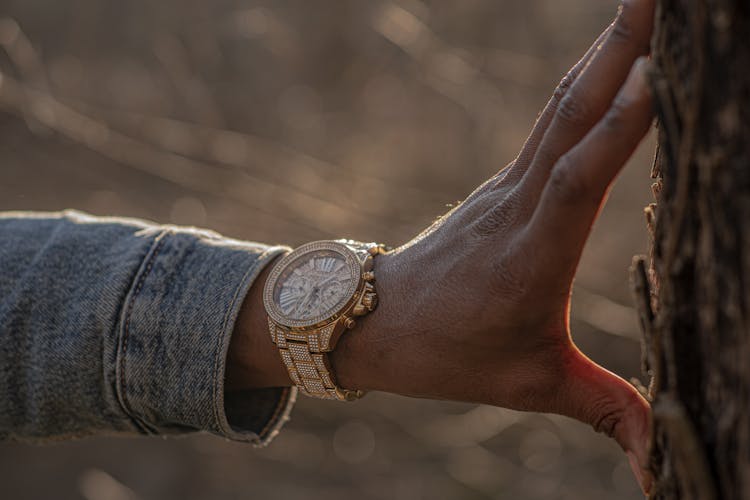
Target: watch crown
370, 300
368, 276
349, 323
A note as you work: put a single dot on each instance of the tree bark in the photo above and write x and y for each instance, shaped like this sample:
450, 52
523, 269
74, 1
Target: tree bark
694, 292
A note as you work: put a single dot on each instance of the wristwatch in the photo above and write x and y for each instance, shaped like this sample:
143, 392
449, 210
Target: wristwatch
312, 297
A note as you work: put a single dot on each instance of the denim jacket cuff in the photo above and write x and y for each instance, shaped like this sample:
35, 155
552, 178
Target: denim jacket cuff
174, 334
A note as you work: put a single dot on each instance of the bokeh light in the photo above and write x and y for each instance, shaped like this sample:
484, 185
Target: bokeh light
285, 122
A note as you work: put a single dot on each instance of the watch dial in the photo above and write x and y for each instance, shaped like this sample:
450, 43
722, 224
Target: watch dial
313, 285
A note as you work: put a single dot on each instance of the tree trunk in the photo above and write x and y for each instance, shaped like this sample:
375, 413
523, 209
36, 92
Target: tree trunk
694, 294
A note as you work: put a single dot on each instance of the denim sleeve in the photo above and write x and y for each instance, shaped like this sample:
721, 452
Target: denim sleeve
120, 326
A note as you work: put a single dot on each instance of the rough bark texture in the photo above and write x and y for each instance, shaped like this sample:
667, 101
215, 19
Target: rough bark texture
694, 293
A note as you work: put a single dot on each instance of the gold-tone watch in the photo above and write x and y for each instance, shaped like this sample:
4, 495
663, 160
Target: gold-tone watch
312, 296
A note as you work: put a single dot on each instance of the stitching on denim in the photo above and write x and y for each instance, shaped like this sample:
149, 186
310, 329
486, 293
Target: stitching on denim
160, 240
225, 321
273, 421
217, 361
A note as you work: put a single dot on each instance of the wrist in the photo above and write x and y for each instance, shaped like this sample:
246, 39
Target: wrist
253, 361
363, 355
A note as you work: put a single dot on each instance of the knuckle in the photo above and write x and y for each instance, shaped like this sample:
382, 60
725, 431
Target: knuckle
497, 183
545, 158
622, 30
565, 183
499, 215
504, 178
471, 208
630, 25
616, 117
564, 86
574, 110
491, 221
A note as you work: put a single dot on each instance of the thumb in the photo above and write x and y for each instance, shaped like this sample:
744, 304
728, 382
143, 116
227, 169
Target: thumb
596, 396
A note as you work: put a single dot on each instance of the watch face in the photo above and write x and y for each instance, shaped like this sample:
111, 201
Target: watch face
313, 285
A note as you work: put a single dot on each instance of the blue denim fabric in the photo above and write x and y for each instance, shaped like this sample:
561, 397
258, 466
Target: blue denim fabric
113, 325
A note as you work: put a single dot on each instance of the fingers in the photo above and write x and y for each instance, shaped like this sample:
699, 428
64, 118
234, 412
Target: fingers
592, 92
545, 117
610, 405
580, 179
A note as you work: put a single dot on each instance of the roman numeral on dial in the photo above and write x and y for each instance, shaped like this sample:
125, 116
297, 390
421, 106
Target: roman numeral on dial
287, 299
325, 264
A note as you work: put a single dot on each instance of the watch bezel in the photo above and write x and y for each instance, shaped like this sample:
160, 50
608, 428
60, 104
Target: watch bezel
355, 267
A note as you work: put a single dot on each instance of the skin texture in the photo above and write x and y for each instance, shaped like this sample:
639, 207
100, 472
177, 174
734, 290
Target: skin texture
476, 307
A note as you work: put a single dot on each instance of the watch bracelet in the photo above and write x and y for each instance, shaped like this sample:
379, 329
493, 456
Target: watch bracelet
305, 356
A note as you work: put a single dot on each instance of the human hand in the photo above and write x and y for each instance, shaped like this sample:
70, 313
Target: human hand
476, 308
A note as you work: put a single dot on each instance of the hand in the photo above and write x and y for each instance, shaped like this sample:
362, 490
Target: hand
476, 308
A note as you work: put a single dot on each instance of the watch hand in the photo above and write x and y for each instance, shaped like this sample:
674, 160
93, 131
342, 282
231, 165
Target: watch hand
327, 280
302, 304
308, 299
299, 305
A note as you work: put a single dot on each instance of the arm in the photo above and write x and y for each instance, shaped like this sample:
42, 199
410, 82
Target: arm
476, 308
120, 326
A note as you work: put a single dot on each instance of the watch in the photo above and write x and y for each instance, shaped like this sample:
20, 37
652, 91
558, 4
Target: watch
312, 296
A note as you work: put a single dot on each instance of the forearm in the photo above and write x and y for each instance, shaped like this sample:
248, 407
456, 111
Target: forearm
113, 325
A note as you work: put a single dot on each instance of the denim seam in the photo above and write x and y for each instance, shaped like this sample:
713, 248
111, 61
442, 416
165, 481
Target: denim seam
218, 350
227, 317
147, 266
218, 400
271, 424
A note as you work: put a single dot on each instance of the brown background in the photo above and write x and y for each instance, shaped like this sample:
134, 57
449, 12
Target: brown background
287, 121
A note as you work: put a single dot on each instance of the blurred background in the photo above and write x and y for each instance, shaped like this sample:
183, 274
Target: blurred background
288, 121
